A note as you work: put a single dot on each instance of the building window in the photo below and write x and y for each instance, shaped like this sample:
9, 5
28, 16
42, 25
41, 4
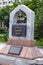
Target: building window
0, 3
10, 1
3, 2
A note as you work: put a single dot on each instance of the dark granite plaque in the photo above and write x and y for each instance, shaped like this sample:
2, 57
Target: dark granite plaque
15, 50
19, 30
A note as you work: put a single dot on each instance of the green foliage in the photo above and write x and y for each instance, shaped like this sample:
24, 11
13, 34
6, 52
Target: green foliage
39, 43
3, 30
36, 6
39, 21
4, 14
6, 36
2, 39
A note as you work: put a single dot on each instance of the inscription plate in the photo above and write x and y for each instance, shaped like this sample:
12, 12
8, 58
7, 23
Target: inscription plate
15, 50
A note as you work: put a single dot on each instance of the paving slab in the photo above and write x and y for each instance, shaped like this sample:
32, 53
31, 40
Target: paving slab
2, 45
40, 49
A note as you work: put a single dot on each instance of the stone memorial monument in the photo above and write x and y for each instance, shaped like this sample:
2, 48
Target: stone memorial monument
21, 26
21, 36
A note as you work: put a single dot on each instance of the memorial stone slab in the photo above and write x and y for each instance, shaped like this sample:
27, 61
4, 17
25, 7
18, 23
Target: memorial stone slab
22, 16
21, 26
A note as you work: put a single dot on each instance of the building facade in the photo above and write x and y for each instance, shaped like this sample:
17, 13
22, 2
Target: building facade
3, 3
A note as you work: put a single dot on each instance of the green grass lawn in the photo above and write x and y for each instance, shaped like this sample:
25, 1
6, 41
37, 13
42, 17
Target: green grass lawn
39, 43
2, 40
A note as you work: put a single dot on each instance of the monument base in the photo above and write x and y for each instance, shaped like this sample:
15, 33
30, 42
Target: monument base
29, 53
21, 42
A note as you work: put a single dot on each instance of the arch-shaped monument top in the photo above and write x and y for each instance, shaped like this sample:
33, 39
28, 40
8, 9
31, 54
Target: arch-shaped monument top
29, 22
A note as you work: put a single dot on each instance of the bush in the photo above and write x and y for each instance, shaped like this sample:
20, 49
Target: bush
2, 39
6, 36
3, 30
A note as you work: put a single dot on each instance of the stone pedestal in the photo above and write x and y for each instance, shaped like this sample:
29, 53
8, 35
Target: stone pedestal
21, 42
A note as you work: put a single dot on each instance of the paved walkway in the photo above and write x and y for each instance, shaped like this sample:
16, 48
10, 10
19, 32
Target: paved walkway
41, 50
2, 45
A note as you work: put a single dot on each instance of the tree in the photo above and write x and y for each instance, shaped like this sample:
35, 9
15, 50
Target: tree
4, 15
35, 5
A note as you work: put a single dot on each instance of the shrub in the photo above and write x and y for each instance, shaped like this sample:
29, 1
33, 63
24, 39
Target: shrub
6, 36
3, 30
